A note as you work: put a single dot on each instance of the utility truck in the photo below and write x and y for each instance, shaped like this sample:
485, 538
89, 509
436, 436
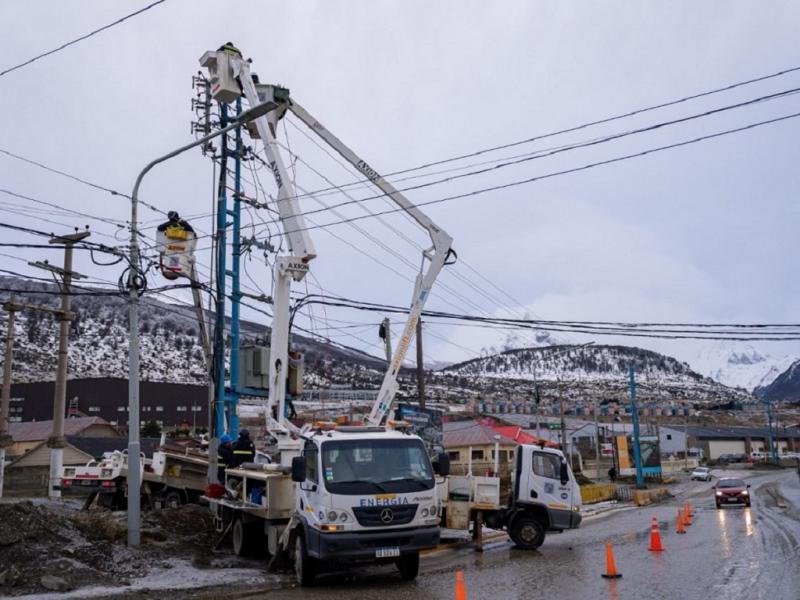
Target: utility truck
341, 495
544, 496
173, 476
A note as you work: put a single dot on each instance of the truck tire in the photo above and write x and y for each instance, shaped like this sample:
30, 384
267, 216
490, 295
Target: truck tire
408, 565
172, 499
305, 567
527, 533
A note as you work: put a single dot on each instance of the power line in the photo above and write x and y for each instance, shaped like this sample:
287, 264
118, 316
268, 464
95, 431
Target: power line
575, 146
586, 125
83, 37
559, 173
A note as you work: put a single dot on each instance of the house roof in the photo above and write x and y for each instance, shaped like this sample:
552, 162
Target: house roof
95, 447
471, 433
34, 431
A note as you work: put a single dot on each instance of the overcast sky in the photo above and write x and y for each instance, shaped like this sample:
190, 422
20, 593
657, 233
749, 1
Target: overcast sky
703, 233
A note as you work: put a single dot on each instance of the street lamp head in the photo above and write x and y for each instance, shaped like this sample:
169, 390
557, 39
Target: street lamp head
259, 110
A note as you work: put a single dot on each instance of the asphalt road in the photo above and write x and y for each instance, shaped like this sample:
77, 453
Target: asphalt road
731, 553
734, 553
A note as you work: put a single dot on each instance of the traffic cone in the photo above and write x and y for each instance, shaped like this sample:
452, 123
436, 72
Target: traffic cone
687, 514
461, 589
689, 508
655, 538
611, 568
681, 528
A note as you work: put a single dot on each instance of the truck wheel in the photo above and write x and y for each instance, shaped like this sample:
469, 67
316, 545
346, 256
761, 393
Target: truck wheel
172, 499
408, 565
305, 567
527, 533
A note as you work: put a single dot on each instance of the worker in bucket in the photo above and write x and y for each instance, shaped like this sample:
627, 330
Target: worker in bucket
243, 450
224, 456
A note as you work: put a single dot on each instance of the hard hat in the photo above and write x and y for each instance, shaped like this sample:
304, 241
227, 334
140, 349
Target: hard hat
244, 433
225, 439
173, 215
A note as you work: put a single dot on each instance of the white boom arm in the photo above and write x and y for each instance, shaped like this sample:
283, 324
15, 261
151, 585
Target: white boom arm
437, 255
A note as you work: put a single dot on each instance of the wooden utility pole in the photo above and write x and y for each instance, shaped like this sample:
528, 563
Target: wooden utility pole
57, 442
5, 439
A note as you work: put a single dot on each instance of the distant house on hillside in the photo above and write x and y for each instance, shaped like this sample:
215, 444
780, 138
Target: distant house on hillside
29, 435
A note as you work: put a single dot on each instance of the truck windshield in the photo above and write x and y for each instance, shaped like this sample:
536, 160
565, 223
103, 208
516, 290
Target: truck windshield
376, 466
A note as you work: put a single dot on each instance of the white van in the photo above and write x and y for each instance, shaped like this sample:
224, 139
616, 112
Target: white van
758, 455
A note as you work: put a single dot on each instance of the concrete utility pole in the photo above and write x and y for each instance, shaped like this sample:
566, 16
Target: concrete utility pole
420, 366
5, 439
57, 442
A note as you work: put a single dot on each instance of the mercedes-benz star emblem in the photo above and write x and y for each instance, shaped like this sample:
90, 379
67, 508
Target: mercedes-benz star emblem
387, 516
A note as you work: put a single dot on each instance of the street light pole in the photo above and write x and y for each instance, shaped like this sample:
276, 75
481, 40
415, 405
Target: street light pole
135, 284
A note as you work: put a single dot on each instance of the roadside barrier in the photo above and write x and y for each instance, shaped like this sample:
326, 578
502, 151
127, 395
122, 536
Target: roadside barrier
461, 588
681, 528
611, 567
655, 537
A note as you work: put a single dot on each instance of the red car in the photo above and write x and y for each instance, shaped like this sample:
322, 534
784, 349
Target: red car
731, 491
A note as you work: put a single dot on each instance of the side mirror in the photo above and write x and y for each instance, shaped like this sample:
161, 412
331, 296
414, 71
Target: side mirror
442, 465
299, 469
564, 472
748, 485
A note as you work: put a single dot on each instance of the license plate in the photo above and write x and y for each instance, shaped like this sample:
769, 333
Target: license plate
387, 552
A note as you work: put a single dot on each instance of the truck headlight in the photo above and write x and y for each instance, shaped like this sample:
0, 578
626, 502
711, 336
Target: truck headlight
332, 516
343, 517
434, 510
424, 512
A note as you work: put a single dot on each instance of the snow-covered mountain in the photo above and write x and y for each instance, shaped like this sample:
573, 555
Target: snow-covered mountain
740, 364
169, 342
785, 387
593, 369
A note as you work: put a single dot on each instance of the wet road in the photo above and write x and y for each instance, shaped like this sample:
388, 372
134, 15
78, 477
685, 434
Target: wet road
731, 553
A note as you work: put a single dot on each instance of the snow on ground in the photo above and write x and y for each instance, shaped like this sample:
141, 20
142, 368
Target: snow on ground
180, 576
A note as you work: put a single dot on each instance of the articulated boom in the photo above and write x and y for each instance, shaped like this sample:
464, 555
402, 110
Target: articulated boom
437, 256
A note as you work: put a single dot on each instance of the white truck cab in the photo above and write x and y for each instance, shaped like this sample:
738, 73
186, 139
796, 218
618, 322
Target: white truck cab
364, 494
545, 496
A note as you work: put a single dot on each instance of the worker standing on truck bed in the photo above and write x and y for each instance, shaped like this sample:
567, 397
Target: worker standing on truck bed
224, 456
243, 450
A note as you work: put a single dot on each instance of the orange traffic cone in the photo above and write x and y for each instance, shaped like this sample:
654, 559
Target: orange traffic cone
655, 537
611, 568
689, 508
687, 514
461, 589
681, 528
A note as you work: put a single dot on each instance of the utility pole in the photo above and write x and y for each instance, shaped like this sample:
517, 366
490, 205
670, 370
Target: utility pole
637, 453
596, 435
773, 449
57, 442
685, 438
5, 439
385, 333
420, 366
